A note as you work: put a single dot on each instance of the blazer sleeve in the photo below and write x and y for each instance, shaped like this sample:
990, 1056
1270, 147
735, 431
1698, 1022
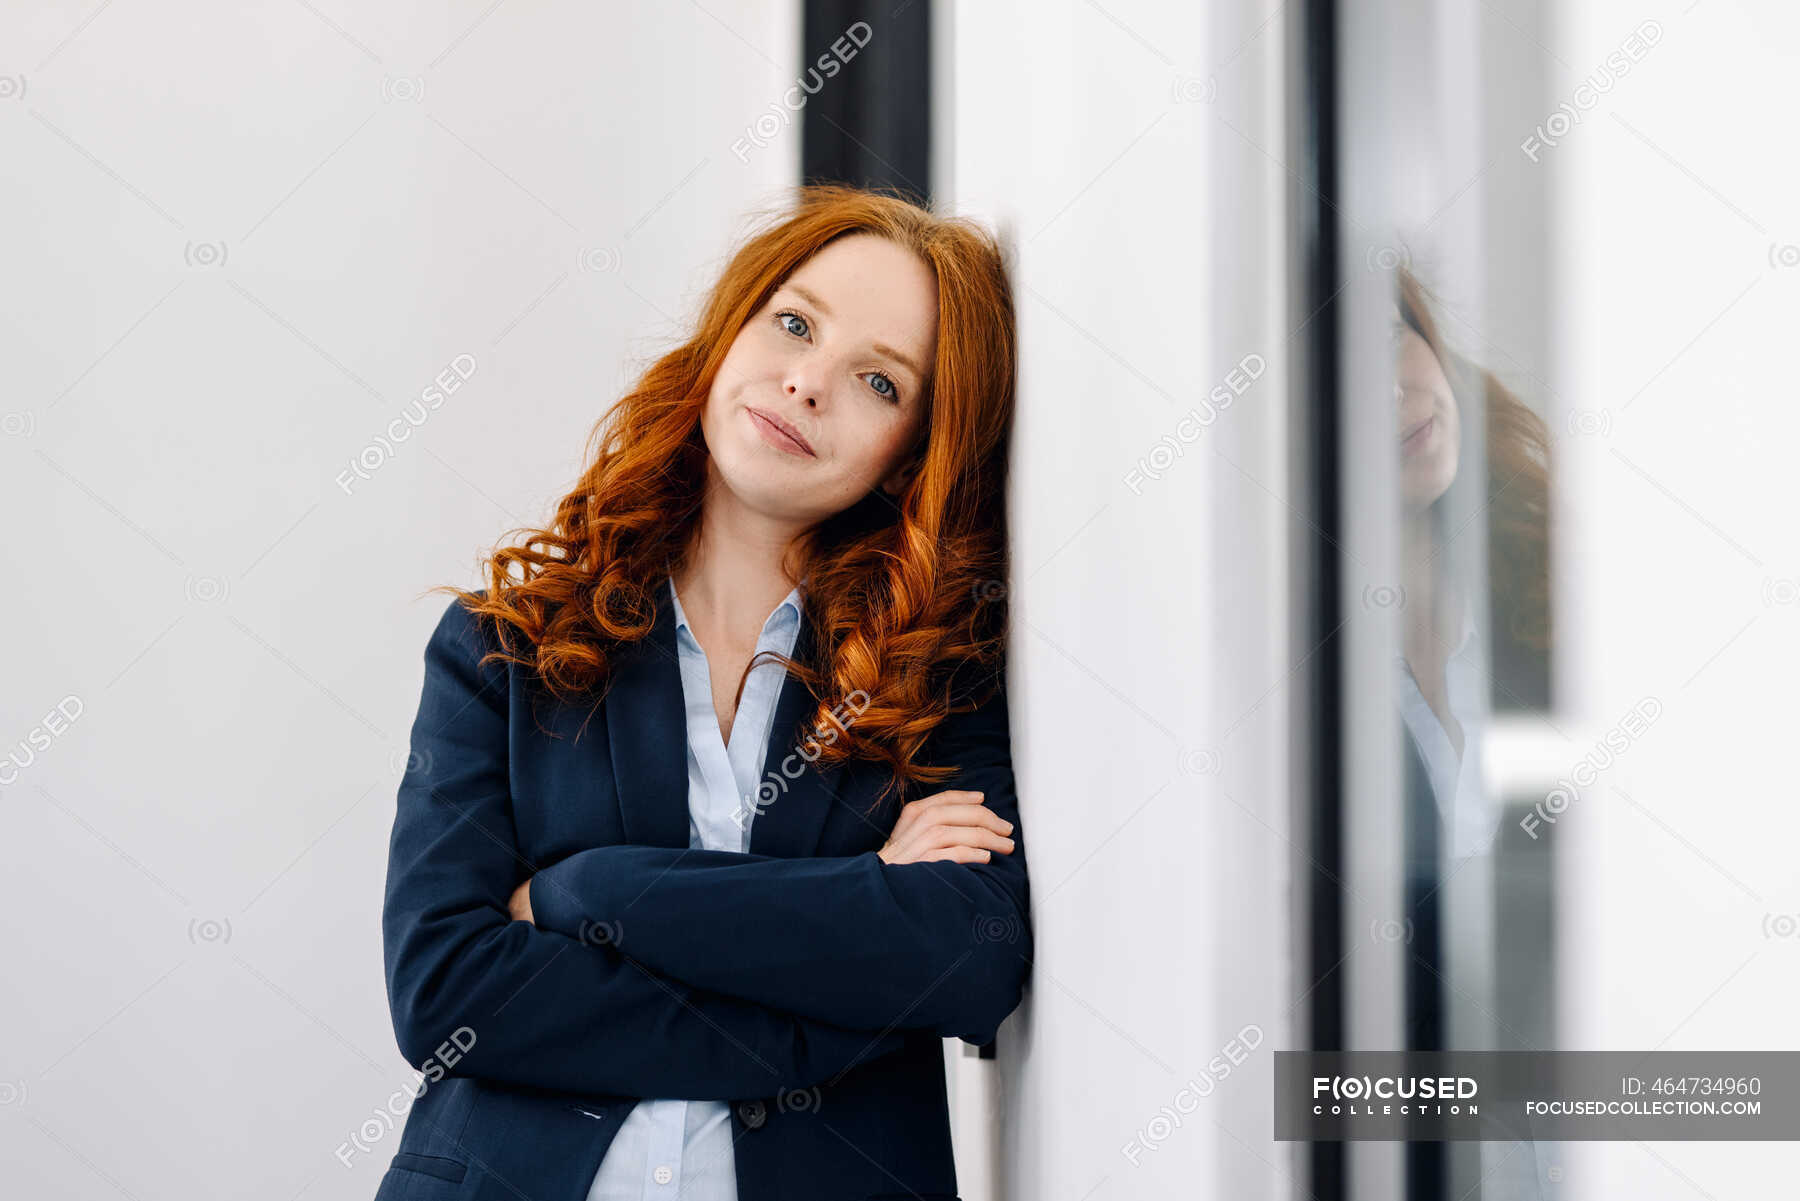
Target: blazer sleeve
536, 1007
852, 941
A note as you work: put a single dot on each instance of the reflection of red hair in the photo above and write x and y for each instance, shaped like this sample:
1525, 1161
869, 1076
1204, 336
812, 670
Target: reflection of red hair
1515, 496
900, 592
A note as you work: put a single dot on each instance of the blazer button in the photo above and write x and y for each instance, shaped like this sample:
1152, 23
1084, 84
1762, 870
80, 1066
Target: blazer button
753, 1113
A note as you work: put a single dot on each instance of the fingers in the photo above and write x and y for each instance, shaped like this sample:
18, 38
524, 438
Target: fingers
976, 836
949, 794
954, 825
939, 842
956, 855
956, 808
967, 815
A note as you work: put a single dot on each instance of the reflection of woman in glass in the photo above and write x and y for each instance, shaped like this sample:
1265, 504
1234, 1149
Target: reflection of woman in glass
1474, 460
708, 838
1444, 687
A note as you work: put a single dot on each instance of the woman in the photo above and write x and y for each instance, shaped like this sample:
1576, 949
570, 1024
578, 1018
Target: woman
623, 979
1449, 412
1471, 454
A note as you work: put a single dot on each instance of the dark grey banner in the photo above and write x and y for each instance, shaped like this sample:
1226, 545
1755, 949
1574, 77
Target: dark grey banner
1537, 1095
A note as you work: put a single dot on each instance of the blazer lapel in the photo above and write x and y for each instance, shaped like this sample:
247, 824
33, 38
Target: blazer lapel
646, 731
794, 794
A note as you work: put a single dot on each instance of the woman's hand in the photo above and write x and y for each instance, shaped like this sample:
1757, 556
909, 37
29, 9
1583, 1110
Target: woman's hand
950, 825
519, 904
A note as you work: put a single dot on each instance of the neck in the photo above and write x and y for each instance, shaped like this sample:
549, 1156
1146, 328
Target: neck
1431, 597
733, 573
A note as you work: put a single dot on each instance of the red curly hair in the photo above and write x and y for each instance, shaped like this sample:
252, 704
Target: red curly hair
904, 595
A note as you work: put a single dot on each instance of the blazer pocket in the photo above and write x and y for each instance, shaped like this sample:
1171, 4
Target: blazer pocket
452, 1170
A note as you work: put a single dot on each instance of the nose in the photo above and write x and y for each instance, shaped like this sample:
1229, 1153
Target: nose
807, 393
1403, 389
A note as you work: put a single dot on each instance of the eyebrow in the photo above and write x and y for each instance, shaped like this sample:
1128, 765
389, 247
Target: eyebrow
881, 348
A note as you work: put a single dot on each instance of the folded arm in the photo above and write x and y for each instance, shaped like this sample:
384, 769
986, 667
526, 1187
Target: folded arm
852, 941
542, 1008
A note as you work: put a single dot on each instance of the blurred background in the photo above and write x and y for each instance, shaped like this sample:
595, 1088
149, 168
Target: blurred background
1397, 490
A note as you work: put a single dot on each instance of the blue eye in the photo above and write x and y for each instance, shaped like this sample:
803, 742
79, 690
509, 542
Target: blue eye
892, 393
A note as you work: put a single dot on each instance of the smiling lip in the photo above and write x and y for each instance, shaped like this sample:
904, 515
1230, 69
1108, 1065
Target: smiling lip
1416, 437
780, 434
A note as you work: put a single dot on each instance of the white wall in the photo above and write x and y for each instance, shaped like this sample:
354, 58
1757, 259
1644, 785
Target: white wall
193, 868
1132, 152
1683, 298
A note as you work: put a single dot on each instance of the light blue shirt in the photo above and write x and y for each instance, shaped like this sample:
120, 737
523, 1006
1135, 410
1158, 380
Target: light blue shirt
671, 1149
1471, 816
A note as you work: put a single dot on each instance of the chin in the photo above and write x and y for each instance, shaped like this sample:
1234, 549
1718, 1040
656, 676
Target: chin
766, 491
1427, 485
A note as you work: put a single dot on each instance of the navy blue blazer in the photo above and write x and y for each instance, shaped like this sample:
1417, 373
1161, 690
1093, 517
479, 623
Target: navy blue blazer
806, 981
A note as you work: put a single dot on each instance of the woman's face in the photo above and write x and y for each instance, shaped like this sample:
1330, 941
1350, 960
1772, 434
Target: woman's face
840, 355
1430, 426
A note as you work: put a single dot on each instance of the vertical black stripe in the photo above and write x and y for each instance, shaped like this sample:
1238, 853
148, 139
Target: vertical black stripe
1427, 1163
870, 123
1316, 365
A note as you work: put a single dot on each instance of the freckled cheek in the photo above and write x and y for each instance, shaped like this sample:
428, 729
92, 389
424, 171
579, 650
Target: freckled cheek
746, 364
764, 364
864, 445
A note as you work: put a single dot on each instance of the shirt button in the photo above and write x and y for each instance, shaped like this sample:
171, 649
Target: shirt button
663, 1174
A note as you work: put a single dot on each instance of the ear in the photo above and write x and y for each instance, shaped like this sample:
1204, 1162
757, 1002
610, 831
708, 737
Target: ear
897, 481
